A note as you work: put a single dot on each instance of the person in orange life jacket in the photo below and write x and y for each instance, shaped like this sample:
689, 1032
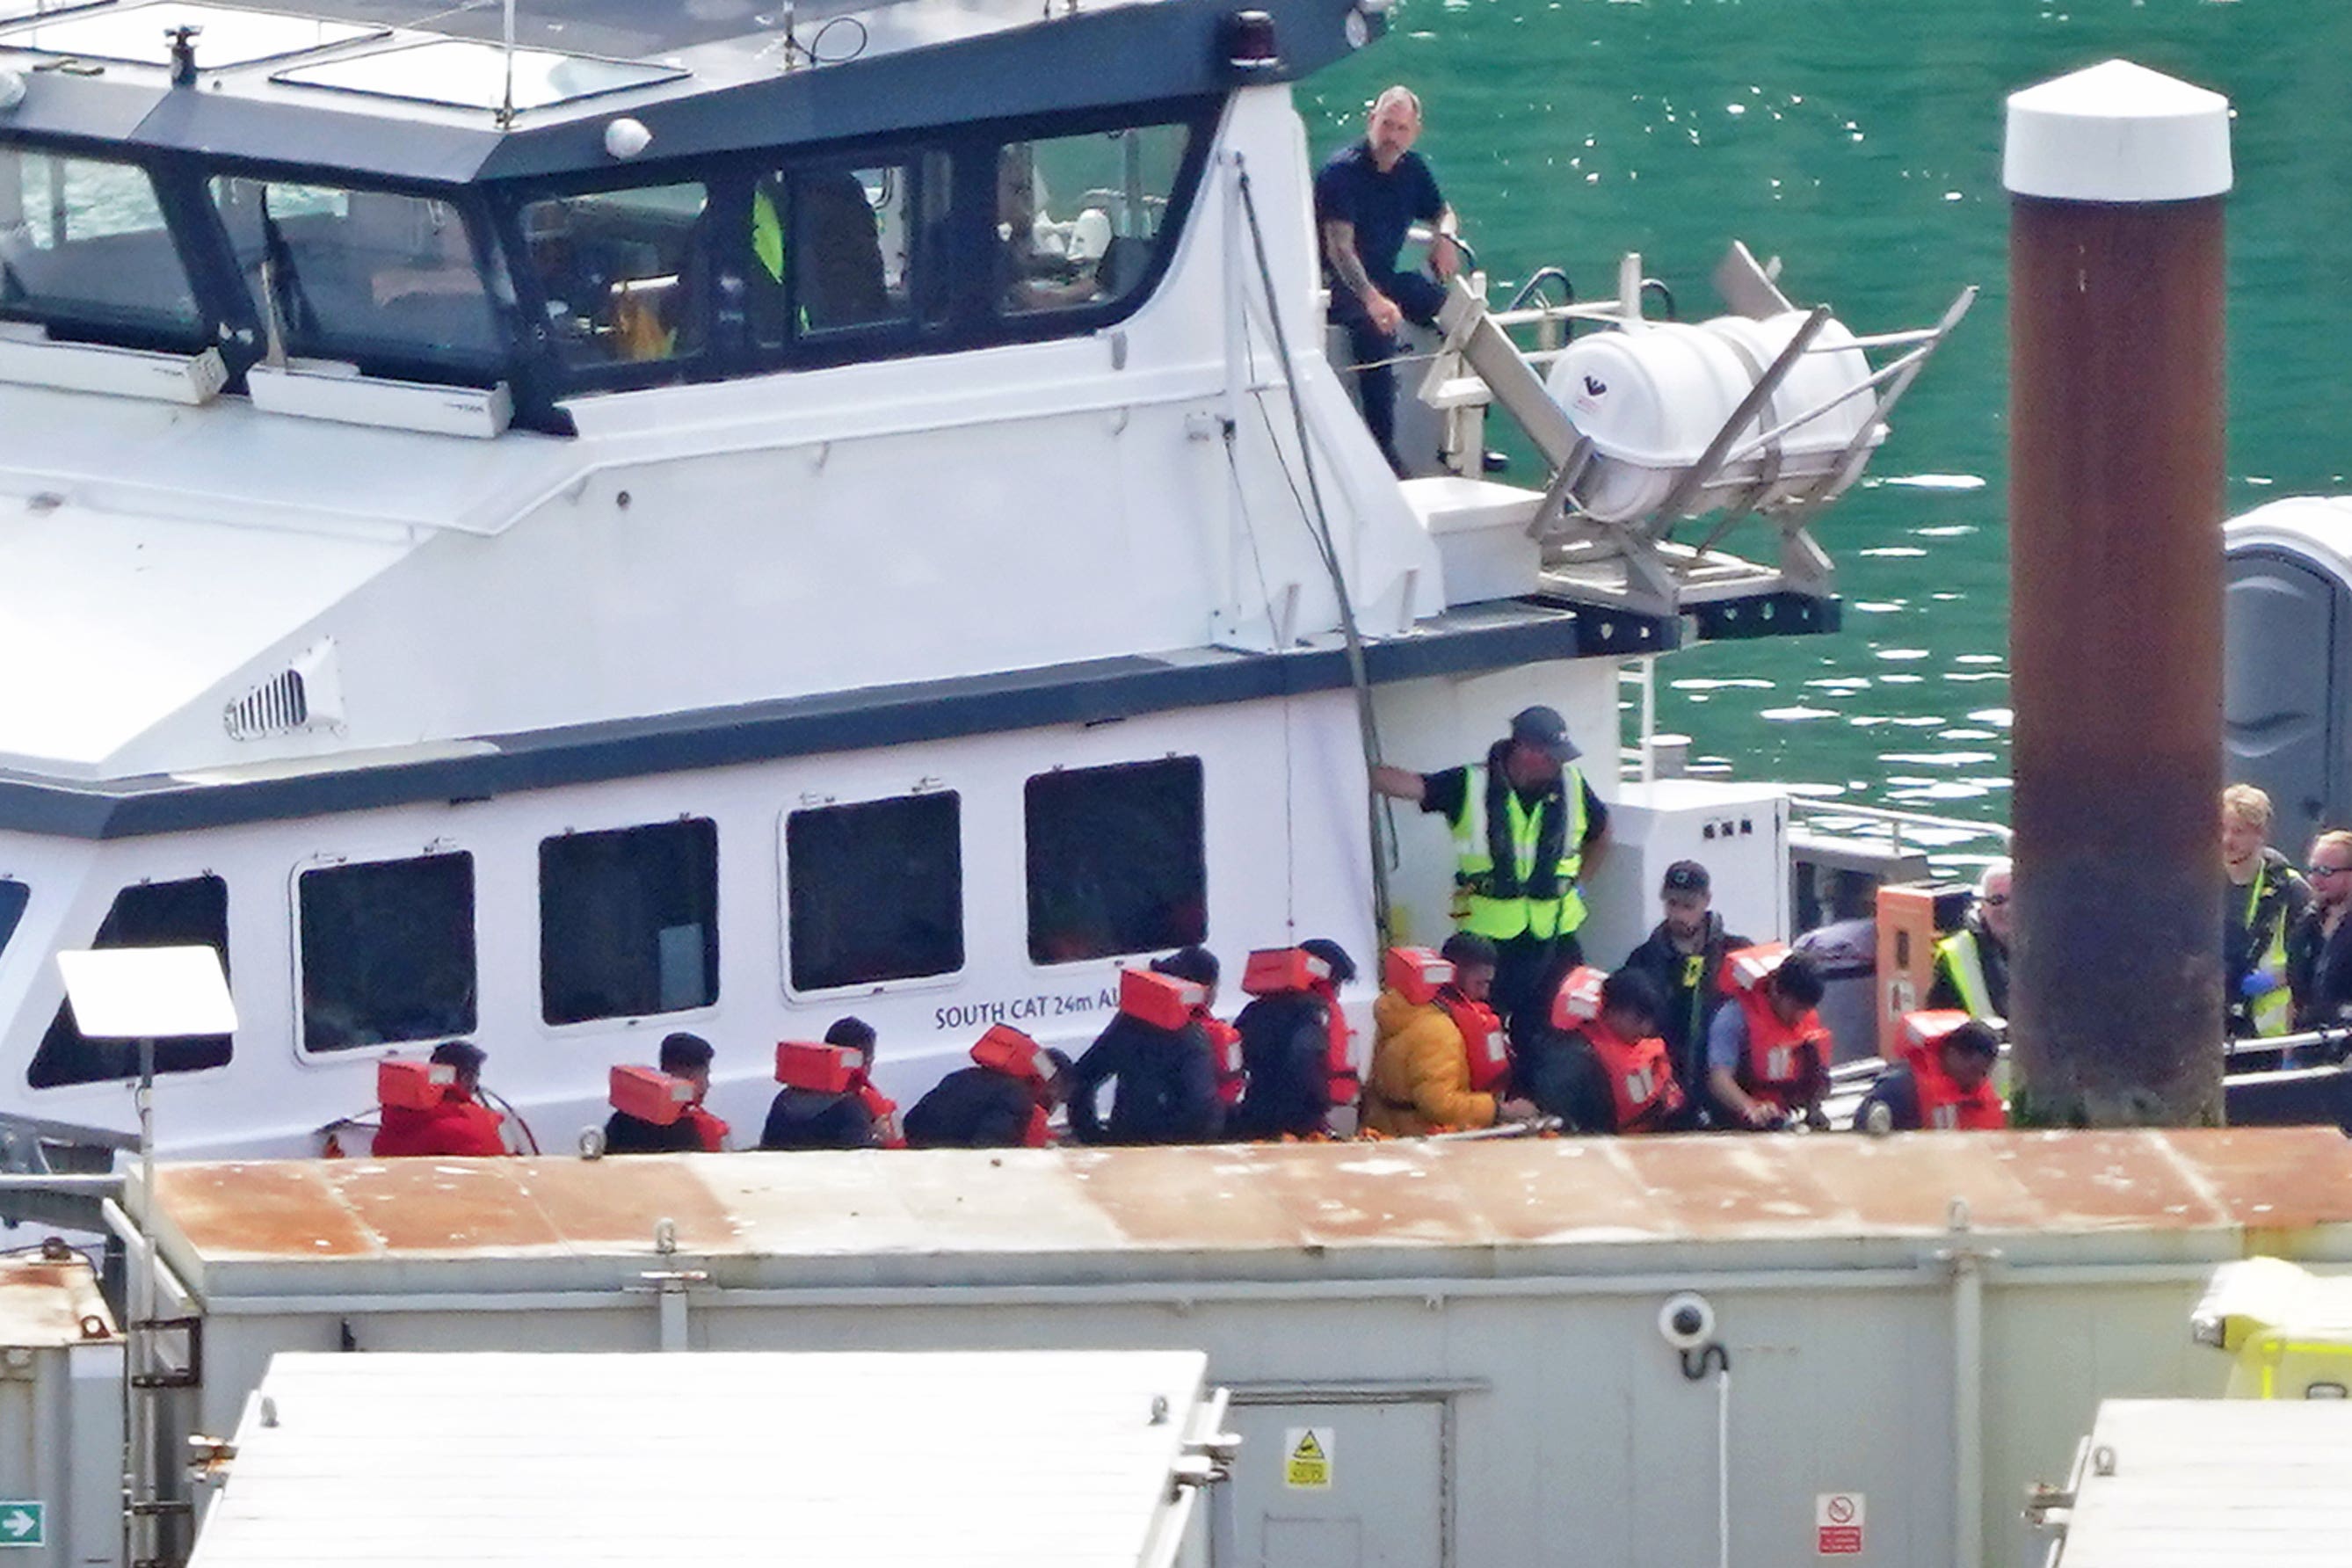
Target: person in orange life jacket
1291, 1043
696, 1131
1684, 957
1167, 1078
809, 1119
459, 1125
1527, 828
1421, 1079
1612, 1073
1768, 1056
988, 1108
1946, 1084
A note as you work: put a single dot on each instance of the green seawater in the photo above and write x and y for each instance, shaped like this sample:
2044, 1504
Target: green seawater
1860, 142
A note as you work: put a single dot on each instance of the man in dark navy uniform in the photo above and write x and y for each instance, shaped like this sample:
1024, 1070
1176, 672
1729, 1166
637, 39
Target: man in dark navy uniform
1366, 198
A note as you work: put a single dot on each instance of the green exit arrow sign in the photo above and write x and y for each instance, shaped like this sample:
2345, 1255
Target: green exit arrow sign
23, 1523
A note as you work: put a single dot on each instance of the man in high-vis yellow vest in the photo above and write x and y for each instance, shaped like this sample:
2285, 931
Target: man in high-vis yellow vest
1526, 825
2261, 900
1972, 964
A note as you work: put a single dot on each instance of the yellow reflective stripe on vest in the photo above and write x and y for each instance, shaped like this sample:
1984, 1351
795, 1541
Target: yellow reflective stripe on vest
2274, 1011
1499, 920
1961, 960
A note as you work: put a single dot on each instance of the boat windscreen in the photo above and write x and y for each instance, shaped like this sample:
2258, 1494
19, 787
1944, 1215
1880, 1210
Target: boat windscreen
83, 248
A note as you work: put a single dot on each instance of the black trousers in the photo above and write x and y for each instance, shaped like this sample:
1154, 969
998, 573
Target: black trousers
1418, 297
1527, 972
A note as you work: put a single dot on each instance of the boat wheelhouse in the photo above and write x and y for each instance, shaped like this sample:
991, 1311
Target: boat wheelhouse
719, 520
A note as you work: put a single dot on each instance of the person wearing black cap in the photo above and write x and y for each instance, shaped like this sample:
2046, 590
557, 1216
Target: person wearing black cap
1526, 825
1287, 1052
1167, 1078
1684, 956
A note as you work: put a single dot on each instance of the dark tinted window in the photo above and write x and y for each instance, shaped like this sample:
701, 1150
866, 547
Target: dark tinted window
387, 952
12, 908
193, 913
832, 250
82, 242
875, 890
1117, 860
629, 922
365, 275
619, 270
1079, 218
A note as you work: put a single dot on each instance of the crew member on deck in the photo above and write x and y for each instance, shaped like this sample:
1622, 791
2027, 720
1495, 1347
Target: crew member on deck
696, 1131
459, 1125
2261, 900
1421, 1079
1366, 198
1972, 964
2319, 950
1767, 1058
1526, 825
1684, 957
856, 1117
1167, 1075
1610, 1072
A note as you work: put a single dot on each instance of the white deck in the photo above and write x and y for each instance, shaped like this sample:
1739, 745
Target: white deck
2251, 1483
410, 1461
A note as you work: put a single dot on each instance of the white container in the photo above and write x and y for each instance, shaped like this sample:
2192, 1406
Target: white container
1823, 383
1650, 398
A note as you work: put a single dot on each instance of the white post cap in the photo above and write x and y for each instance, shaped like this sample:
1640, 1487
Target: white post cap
2118, 133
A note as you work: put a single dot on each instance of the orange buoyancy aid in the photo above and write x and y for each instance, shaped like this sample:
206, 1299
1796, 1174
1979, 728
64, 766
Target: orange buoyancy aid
882, 1109
1483, 1045
1641, 1078
1341, 1082
1005, 1050
712, 1131
1944, 1105
1785, 1063
1225, 1051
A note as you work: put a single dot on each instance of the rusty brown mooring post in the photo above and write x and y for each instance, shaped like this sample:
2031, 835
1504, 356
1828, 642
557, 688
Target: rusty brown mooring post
2116, 176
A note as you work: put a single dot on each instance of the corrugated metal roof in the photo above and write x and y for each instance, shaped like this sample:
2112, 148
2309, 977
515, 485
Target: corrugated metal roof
45, 1304
418, 1460
2195, 1483
1313, 1211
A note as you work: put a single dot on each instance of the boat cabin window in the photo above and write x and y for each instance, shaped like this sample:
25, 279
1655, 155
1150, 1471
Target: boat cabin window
13, 899
874, 891
386, 952
1118, 861
190, 913
83, 248
619, 271
629, 922
833, 247
369, 277
1078, 217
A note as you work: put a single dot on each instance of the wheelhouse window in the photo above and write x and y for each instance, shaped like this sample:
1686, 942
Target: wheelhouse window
189, 914
370, 277
629, 922
387, 952
14, 896
833, 247
1118, 861
875, 891
1079, 219
621, 272
83, 246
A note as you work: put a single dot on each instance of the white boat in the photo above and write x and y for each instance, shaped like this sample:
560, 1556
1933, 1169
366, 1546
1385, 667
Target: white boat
717, 522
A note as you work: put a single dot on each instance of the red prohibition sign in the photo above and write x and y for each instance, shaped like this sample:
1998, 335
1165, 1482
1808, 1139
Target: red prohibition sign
1840, 1510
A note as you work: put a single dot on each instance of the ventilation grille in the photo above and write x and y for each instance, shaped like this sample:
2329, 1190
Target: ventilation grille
306, 695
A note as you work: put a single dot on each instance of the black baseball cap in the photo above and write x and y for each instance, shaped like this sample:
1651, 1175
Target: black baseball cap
1685, 877
1543, 728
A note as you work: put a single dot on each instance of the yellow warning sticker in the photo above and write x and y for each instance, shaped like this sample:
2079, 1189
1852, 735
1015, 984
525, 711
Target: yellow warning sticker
1307, 1459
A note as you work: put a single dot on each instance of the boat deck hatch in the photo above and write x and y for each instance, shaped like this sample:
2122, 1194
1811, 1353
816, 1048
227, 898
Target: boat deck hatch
140, 35
465, 73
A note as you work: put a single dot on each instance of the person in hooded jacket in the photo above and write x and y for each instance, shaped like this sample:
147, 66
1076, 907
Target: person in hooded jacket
1166, 1079
809, 1119
1684, 957
1612, 1073
988, 1107
459, 1126
696, 1131
1421, 1079
1287, 1053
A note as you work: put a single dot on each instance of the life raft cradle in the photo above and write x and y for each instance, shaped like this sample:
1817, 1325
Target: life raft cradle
1638, 565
